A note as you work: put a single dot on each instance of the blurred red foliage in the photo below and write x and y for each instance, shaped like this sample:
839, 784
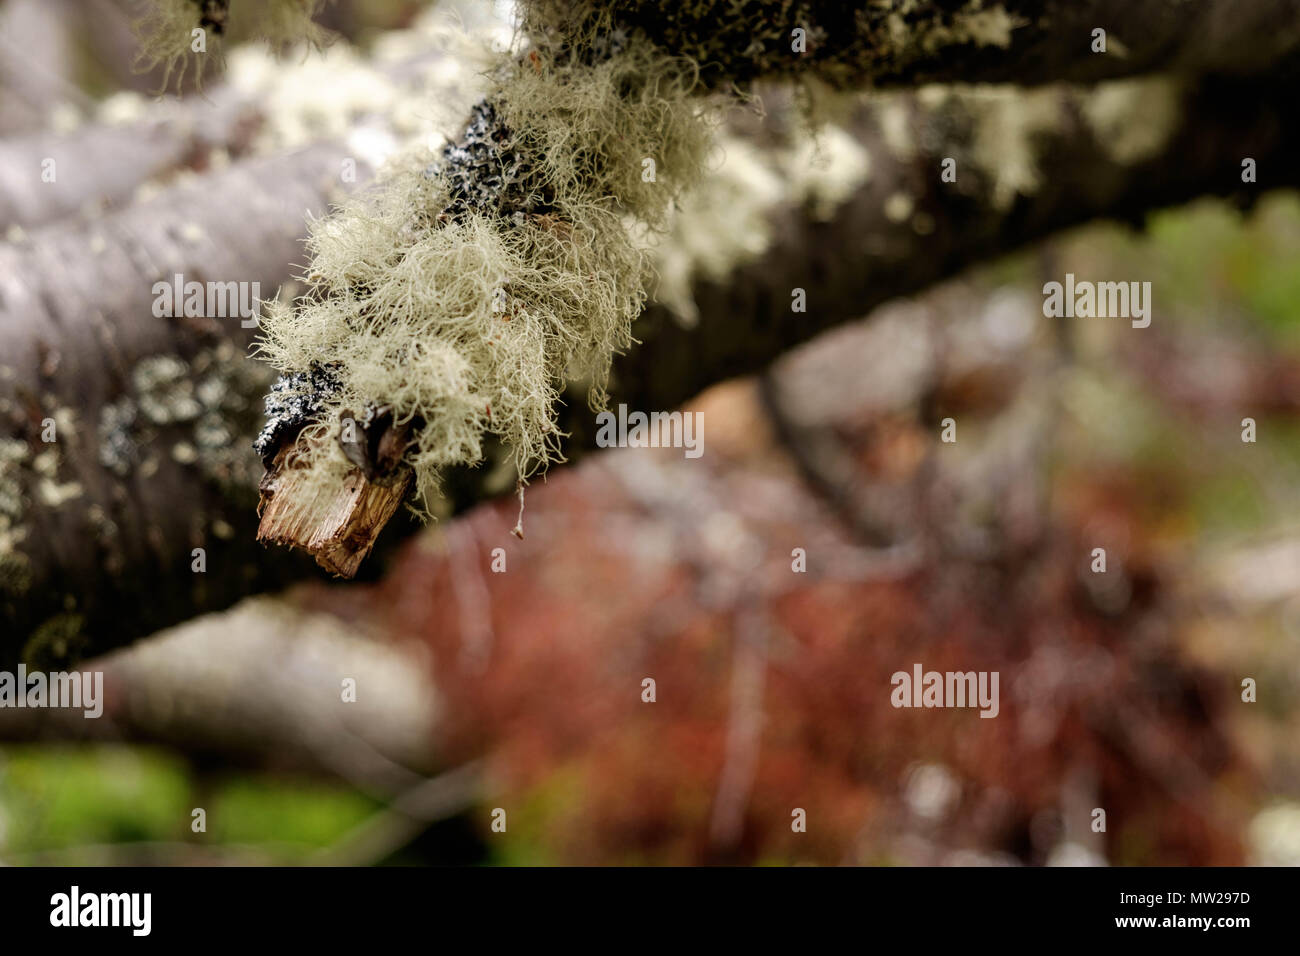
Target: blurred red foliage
773, 687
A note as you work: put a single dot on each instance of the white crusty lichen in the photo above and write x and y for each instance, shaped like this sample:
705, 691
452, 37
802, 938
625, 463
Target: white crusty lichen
993, 130
1008, 123
825, 168
165, 390
982, 25
895, 121
210, 397
1133, 119
726, 221
310, 98
720, 225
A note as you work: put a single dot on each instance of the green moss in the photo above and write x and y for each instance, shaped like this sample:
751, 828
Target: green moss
1214, 253
1229, 502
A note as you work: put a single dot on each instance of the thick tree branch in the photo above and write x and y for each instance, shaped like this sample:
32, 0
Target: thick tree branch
502, 175
101, 163
907, 228
125, 434
113, 562
949, 41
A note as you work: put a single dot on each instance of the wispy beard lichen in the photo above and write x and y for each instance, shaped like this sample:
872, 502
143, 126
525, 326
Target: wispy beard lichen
165, 29
465, 294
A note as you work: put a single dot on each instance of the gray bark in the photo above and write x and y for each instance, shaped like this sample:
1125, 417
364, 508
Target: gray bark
151, 416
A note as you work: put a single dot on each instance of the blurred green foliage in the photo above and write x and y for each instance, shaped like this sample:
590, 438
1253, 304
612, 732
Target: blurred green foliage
59, 797
264, 810
1213, 256
1217, 274
66, 798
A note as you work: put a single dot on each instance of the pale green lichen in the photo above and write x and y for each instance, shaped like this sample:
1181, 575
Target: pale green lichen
212, 395
464, 297
165, 390
1133, 119
975, 23
994, 131
49, 490
1008, 122
14, 454
227, 387
167, 37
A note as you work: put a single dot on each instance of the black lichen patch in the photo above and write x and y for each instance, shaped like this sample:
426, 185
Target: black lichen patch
485, 173
296, 400
213, 14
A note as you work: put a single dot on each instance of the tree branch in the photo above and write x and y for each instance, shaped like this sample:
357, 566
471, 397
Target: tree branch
1027, 42
90, 571
125, 435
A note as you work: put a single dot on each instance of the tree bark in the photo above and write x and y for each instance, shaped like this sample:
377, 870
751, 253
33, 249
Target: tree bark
1027, 42
125, 435
101, 163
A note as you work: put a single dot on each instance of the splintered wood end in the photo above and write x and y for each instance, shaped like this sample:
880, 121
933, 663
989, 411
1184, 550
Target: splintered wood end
337, 527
